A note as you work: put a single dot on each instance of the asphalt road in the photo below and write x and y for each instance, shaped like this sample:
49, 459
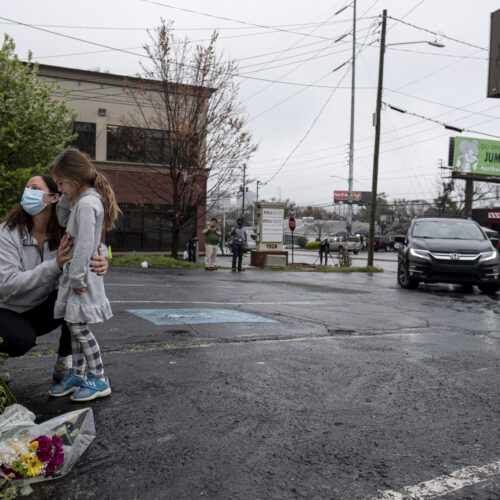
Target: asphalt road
349, 388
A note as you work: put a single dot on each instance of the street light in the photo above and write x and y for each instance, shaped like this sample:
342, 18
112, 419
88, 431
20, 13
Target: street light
376, 149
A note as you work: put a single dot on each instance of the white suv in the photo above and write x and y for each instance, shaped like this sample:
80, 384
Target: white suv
339, 242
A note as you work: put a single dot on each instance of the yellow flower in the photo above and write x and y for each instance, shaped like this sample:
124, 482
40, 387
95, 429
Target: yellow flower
24, 458
34, 446
34, 466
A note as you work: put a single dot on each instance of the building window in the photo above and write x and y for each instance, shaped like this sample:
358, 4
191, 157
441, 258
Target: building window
85, 141
146, 228
137, 145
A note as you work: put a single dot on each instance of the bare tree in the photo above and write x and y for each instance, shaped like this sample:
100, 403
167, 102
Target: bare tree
188, 126
319, 226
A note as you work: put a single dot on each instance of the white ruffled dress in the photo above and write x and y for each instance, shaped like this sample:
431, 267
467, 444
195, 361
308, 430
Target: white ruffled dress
83, 224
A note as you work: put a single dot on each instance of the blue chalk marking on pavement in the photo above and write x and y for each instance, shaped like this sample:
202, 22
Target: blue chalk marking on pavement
161, 317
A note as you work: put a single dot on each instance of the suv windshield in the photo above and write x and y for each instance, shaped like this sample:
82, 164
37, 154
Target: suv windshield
447, 230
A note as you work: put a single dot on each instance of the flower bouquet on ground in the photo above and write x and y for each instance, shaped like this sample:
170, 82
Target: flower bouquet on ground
32, 452
42, 458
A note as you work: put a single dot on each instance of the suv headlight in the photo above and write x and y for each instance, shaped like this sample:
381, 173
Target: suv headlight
422, 254
488, 255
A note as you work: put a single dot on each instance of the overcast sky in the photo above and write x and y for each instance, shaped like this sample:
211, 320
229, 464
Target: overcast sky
294, 42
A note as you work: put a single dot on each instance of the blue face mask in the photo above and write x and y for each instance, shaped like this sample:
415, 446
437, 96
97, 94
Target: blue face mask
32, 201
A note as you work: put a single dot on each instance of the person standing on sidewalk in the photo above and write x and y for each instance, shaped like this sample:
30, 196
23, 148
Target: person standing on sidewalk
212, 233
324, 249
192, 248
238, 244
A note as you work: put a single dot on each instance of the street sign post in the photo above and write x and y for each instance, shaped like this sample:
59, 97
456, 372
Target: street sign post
291, 225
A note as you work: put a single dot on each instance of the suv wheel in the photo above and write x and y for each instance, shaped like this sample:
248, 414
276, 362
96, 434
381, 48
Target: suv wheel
490, 288
404, 279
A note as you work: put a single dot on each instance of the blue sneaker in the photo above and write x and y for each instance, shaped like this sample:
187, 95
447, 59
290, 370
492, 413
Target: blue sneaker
70, 383
92, 388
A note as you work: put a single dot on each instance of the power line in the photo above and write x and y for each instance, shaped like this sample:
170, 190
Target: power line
220, 28
445, 125
307, 132
436, 33
191, 11
146, 56
444, 105
436, 54
297, 65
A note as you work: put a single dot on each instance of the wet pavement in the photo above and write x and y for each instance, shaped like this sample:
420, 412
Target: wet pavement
384, 260
347, 387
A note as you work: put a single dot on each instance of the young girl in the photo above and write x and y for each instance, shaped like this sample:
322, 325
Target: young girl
87, 205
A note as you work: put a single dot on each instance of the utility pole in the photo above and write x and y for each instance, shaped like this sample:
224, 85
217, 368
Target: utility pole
243, 189
377, 140
351, 139
469, 191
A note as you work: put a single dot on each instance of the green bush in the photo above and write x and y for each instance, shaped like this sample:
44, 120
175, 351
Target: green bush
302, 241
312, 245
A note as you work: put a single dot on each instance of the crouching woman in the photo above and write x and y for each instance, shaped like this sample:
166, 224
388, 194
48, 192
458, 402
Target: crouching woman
32, 253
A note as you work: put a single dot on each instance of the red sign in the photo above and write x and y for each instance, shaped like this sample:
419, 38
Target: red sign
493, 215
344, 195
291, 223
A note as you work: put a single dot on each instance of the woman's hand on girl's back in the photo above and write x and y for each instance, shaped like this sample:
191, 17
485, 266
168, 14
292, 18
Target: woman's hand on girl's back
62, 251
100, 264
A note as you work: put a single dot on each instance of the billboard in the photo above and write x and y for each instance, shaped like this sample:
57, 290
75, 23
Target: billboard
476, 157
358, 197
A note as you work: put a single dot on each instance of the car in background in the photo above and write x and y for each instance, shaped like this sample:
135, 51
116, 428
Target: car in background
340, 241
449, 251
383, 242
290, 246
493, 236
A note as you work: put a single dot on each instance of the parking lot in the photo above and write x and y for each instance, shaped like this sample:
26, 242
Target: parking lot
271, 384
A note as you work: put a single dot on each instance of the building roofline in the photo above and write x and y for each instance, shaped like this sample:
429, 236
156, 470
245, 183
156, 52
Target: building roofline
65, 73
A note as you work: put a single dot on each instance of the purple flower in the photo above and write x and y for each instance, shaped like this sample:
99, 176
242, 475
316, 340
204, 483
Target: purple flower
57, 459
6, 470
49, 469
44, 444
44, 457
57, 443
10, 472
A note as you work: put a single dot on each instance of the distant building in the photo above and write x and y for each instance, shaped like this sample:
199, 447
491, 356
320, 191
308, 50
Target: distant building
101, 104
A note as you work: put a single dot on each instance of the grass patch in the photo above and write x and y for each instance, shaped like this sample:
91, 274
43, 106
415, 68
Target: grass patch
134, 260
162, 261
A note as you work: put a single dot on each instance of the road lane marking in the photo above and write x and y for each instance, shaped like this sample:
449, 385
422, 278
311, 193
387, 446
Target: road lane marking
444, 484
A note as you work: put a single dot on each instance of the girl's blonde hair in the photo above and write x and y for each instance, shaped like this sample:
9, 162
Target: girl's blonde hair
72, 165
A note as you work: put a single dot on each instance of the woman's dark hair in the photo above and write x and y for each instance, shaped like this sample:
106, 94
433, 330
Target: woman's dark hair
17, 217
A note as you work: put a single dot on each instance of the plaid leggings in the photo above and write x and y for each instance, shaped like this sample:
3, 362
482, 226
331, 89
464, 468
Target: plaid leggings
85, 350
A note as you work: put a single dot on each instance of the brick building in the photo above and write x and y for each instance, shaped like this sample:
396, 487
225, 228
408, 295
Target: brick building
142, 189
